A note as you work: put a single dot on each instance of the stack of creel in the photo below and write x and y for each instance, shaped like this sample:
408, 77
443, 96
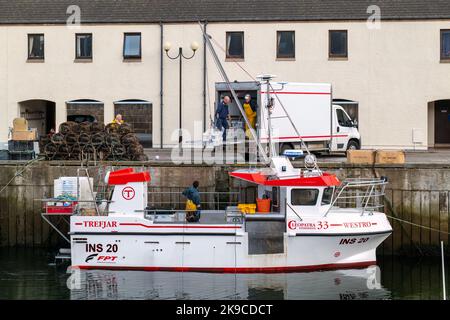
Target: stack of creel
93, 141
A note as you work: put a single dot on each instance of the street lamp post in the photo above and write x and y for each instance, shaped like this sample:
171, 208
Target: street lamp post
181, 56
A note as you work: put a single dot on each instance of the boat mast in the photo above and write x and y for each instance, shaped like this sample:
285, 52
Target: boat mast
269, 105
233, 93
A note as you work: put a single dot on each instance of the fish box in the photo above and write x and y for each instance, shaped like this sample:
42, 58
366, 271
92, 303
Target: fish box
361, 156
28, 135
59, 207
19, 145
390, 157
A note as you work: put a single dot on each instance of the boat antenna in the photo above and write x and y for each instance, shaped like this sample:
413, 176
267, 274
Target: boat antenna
233, 93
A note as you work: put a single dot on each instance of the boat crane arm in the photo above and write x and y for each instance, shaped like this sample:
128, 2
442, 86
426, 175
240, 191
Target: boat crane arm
233, 93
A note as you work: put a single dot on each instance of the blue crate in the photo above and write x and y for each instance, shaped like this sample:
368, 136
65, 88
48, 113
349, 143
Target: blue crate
4, 155
15, 146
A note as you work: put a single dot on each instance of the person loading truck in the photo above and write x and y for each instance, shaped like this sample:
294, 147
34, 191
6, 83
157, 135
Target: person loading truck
250, 108
223, 116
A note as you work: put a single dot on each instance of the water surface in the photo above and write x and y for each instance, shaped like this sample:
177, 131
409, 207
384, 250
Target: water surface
30, 274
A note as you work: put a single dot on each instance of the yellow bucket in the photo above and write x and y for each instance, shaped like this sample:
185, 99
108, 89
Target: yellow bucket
247, 208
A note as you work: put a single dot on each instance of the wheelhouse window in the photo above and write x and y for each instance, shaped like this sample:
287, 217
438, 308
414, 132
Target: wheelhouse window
327, 196
36, 46
304, 197
132, 46
286, 44
83, 45
235, 45
445, 45
338, 44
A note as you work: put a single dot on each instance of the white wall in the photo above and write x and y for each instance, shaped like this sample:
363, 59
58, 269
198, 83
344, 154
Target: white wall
107, 78
393, 72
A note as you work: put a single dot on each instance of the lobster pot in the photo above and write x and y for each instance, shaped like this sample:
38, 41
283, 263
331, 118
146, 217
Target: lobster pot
68, 187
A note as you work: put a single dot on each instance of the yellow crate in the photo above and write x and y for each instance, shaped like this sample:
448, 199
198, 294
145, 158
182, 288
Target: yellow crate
247, 208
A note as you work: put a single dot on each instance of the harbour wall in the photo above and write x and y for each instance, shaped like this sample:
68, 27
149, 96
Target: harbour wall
417, 194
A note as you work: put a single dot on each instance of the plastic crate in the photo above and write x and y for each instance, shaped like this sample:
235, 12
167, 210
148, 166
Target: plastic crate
18, 146
4, 155
21, 155
59, 207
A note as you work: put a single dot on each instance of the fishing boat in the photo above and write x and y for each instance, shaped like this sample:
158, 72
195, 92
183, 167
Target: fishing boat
304, 230
299, 219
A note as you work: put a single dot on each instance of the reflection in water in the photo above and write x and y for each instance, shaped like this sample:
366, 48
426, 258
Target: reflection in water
26, 274
345, 284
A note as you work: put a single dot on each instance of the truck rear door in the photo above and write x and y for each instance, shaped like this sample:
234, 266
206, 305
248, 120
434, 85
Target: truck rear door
308, 105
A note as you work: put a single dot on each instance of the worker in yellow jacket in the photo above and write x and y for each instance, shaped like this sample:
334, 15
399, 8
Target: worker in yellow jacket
250, 108
118, 119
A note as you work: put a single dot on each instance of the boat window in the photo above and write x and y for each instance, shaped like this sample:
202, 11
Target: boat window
327, 196
304, 197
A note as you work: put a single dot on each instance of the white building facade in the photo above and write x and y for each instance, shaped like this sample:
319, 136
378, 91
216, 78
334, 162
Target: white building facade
395, 74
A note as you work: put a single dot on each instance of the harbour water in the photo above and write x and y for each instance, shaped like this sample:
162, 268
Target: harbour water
30, 274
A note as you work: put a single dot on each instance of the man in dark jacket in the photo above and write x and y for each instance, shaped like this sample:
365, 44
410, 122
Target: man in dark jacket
193, 194
223, 116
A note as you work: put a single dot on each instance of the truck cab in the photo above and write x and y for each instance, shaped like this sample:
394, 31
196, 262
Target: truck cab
345, 131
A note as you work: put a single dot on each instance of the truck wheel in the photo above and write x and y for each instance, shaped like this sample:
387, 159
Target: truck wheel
353, 145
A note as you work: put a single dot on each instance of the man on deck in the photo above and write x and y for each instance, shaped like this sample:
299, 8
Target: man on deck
193, 202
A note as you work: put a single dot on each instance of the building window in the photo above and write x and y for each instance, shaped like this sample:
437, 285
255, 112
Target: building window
132, 46
235, 45
83, 45
286, 44
304, 197
36, 46
338, 44
445, 44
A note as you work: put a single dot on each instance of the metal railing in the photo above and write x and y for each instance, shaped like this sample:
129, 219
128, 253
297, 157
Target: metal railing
212, 200
162, 200
364, 194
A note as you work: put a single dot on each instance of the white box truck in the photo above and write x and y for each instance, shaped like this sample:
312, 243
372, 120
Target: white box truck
323, 126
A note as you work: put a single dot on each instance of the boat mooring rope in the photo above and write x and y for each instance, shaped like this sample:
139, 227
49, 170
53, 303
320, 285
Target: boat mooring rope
418, 225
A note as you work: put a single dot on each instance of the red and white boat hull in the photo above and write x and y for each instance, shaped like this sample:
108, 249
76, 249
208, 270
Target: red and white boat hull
137, 244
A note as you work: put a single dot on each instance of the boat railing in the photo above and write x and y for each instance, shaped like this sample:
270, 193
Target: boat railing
163, 200
363, 194
212, 200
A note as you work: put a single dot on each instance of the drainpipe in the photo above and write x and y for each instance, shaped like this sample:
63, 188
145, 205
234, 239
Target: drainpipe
204, 78
161, 92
